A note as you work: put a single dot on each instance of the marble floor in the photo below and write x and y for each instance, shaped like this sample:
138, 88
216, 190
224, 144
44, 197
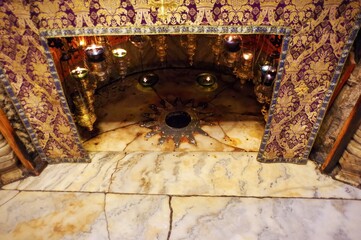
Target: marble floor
174, 195
228, 115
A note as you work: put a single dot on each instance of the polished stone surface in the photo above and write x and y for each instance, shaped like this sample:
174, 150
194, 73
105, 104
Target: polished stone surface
266, 219
178, 195
229, 114
137, 217
65, 215
7, 195
52, 215
219, 174
80, 177
179, 173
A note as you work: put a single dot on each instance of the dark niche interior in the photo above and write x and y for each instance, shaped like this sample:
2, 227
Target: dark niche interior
168, 92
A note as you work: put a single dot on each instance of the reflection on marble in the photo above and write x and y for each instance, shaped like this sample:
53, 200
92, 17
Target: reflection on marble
232, 174
137, 217
236, 123
196, 173
87, 177
247, 218
40, 215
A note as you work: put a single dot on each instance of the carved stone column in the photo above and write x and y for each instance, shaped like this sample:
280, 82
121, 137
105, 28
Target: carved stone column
342, 123
350, 162
9, 170
337, 116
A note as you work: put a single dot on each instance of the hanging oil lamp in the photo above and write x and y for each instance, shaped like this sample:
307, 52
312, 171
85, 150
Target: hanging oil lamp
83, 99
217, 49
79, 73
244, 71
160, 45
95, 53
270, 76
81, 42
84, 114
96, 61
120, 56
247, 56
231, 58
265, 66
87, 86
119, 53
103, 41
232, 43
139, 41
190, 44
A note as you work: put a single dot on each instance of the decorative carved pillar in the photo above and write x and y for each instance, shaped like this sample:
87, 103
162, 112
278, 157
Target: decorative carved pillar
18, 157
350, 162
336, 117
338, 145
9, 170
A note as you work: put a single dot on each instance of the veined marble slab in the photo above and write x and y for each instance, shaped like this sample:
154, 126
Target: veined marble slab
180, 173
7, 195
87, 177
232, 218
58, 215
218, 174
53, 215
137, 217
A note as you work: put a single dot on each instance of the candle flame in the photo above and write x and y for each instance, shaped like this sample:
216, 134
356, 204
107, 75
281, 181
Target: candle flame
78, 70
145, 79
119, 52
247, 56
82, 43
208, 78
94, 50
232, 38
269, 77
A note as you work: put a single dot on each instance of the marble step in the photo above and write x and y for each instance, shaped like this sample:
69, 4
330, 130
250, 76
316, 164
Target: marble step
179, 173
